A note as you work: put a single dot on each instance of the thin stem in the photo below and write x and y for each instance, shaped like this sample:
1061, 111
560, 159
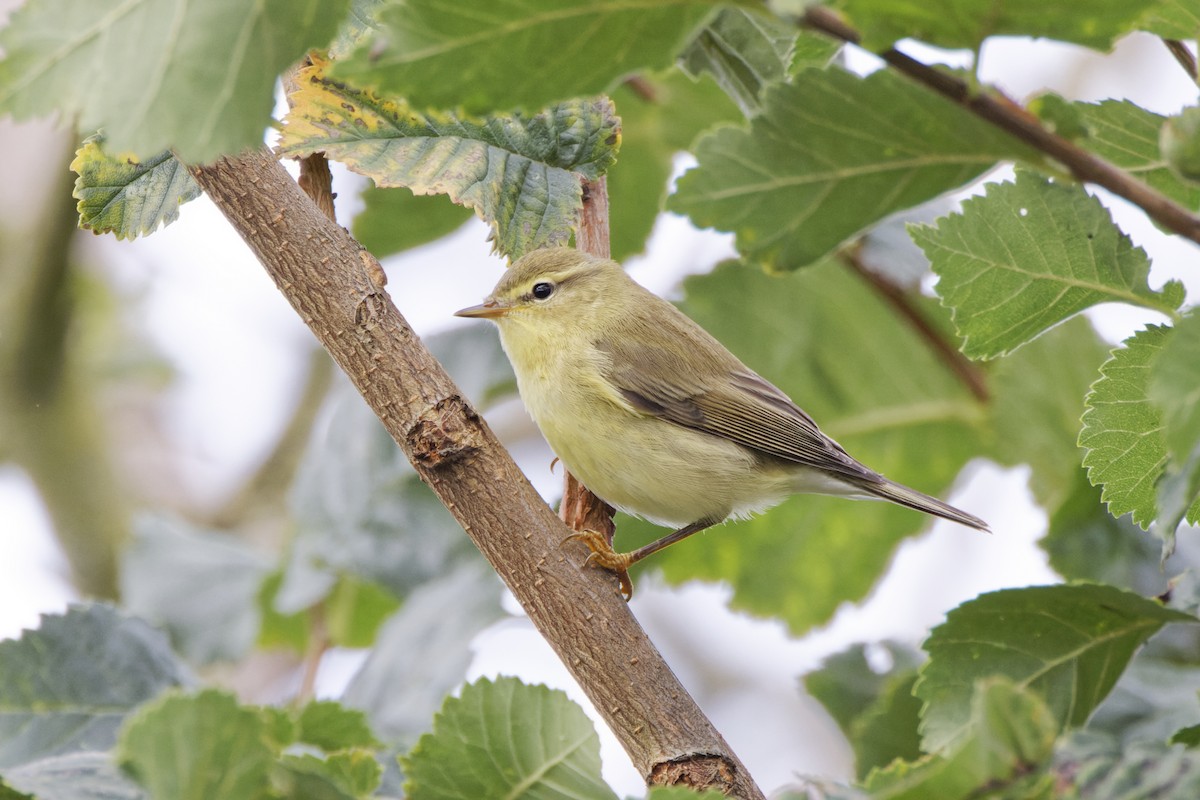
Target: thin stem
1015, 120
1184, 56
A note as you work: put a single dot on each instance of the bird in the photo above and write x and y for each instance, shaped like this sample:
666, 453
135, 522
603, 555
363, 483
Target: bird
654, 415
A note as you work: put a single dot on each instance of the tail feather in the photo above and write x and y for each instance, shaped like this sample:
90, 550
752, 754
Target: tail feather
911, 498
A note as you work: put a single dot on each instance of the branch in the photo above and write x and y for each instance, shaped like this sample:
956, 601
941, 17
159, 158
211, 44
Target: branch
1012, 118
327, 277
580, 509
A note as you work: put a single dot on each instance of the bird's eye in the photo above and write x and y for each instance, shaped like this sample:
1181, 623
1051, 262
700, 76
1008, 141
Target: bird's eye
543, 290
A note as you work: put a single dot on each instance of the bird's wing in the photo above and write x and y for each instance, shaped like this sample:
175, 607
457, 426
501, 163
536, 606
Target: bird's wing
727, 400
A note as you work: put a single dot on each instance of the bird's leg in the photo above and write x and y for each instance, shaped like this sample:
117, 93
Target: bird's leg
603, 555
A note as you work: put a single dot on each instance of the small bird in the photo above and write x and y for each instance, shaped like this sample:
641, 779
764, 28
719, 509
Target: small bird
654, 415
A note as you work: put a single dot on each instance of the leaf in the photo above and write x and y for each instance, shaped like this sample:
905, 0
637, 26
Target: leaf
966, 23
360, 510
1085, 542
84, 775
1174, 387
872, 383
449, 54
744, 51
1153, 699
332, 726
197, 746
359, 25
847, 685
1172, 19
355, 609
1128, 136
395, 220
521, 173
423, 652
127, 197
1027, 256
1037, 401
341, 776
1008, 737
659, 120
68, 684
505, 739
1099, 767
1122, 434
1070, 643
199, 584
198, 78
828, 156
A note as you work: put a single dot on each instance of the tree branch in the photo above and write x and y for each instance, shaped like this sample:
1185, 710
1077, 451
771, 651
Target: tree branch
1012, 118
327, 277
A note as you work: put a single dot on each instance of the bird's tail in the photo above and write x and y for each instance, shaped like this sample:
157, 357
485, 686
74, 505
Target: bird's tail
902, 495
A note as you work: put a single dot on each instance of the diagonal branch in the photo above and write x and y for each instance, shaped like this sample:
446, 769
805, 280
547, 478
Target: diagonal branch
1011, 117
330, 281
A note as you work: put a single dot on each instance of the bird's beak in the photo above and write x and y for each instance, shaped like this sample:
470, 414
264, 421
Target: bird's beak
488, 309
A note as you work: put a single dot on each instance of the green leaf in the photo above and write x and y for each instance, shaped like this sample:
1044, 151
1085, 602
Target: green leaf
360, 510
448, 54
355, 609
1153, 699
1188, 737
828, 156
1172, 19
1037, 402
873, 383
359, 25
278, 629
1068, 642
1126, 452
332, 727
505, 739
1008, 737
521, 173
847, 685
127, 197
1085, 542
745, 51
341, 776
198, 584
198, 746
1128, 136
68, 684
1027, 256
659, 119
966, 23
74, 776
875, 710
1174, 387
198, 78
395, 220
423, 652
1094, 766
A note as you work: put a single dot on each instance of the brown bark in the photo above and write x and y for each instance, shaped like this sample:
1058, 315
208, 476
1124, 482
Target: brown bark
327, 278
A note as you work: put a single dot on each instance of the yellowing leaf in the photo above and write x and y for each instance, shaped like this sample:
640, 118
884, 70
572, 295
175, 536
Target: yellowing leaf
522, 174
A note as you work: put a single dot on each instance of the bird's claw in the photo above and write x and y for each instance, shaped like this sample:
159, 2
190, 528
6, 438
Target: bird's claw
603, 555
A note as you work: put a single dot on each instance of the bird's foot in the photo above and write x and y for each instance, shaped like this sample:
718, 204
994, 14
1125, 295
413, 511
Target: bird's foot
603, 555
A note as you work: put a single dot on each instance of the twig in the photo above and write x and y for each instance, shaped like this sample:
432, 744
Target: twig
968, 374
580, 509
328, 279
1184, 56
318, 644
1012, 118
